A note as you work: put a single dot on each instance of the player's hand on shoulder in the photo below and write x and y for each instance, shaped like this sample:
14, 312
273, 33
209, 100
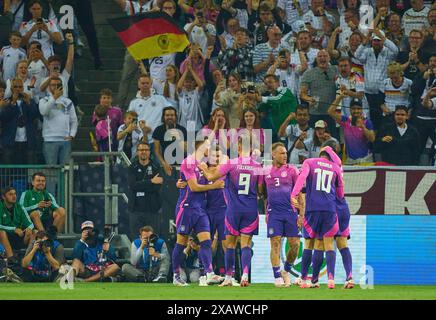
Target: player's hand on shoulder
219, 184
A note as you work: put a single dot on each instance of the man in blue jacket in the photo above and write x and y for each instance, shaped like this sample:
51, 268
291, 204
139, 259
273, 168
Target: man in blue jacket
93, 257
149, 259
17, 117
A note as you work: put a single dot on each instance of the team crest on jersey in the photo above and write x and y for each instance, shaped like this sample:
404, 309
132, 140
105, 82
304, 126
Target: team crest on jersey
182, 228
268, 176
153, 104
271, 231
284, 174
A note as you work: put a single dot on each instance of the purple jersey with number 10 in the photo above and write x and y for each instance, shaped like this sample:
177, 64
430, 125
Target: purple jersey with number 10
242, 179
279, 183
324, 177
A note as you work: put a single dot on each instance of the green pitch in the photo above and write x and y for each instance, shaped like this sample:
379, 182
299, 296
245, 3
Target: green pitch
88, 291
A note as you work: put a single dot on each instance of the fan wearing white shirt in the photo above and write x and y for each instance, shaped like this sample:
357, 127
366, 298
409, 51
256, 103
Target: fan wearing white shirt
189, 89
200, 31
148, 106
168, 87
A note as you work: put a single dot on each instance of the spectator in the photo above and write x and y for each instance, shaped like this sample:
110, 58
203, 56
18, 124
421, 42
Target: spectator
168, 87
415, 17
320, 83
219, 120
349, 84
376, 60
320, 136
294, 11
130, 66
54, 63
236, 9
282, 69
227, 38
354, 41
149, 260
39, 29
41, 205
280, 104
250, 123
189, 88
165, 136
148, 106
106, 109
197, 61
37, 64
265, 54
350, 25
412, 59
299, 135
18, 136
16, 228
11, 55
395, 91
238, 58
399, 141
200, 31
191, 269
29, 84
302, 59
93, 257
59, 125
227, 99
6, 19
316, 17
43, 259
358, 131
144, 186
394, 32
129, 135
429, 44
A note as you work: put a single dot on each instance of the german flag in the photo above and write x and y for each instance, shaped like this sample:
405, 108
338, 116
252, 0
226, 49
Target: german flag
150, 34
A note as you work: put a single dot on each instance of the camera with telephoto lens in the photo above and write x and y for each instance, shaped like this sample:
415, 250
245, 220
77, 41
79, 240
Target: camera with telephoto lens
39, 20
48, 243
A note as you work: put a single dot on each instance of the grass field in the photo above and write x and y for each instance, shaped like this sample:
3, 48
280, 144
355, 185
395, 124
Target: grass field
121, 291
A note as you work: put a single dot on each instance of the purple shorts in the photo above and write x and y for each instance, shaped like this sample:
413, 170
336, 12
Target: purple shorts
344, 220
189, 219
282, 225
320, 224
238, 223
216, 218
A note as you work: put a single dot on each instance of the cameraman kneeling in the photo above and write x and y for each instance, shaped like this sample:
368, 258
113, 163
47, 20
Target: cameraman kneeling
149, 259
94, 257
43, 258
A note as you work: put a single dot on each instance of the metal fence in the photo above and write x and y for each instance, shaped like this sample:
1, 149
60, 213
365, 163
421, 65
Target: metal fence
20, 177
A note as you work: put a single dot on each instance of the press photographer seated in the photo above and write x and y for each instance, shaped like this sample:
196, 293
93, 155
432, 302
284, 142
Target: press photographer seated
43, 258
94, 257
149, 260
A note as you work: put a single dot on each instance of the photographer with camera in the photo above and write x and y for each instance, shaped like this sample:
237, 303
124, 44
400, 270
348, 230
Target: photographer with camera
149, 260
42, 30
93, 256
191, 268
18, 135
59, 125
358, 131
43, 258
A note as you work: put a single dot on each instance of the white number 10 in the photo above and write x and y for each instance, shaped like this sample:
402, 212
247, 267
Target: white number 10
244, 181
323, 180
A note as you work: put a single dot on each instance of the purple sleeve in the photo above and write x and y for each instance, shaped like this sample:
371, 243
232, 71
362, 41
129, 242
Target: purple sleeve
188, 171
304, 172
369, 124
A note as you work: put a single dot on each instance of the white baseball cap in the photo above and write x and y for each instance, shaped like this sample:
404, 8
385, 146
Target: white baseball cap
87, 224
320, 124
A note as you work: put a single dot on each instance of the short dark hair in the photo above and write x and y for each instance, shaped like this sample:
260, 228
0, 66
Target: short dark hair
32, 2
272, 76
146, 229
39, 174
100, 111
344, 58
143, 143
53, 58
6, 190
15, 34
302, 108
241, 29
54, 78
106, 92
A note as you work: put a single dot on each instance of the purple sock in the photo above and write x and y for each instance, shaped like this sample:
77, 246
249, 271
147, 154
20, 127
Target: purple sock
318, 257
205, 255
177, 258
305, 263
347, 260
245, 259
288, 266
230, 261
276, 272
330, 257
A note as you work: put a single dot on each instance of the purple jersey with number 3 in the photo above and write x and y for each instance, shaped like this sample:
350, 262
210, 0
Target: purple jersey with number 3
279, 183
241, 184
323, 184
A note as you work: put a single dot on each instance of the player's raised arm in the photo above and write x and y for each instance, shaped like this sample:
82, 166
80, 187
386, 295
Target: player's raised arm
196, 187
304, 172
211, 174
